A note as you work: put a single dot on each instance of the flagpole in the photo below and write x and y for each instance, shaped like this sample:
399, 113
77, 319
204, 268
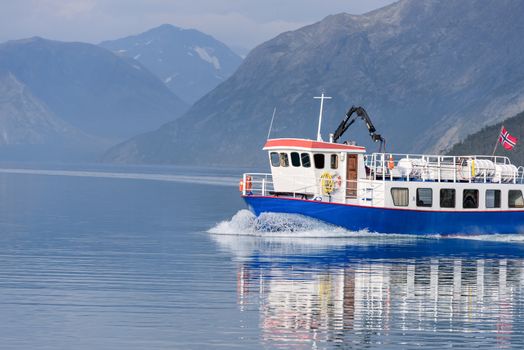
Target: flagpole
497, 143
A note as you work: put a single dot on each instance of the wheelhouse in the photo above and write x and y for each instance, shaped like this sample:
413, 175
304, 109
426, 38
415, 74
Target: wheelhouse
298, 166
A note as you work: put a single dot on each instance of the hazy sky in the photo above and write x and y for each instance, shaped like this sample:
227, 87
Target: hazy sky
239, 23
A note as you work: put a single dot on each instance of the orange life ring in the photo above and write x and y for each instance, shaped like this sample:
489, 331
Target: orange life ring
249, 183
241, 186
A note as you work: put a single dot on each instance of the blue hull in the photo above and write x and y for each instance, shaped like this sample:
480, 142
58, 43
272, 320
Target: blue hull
383, 220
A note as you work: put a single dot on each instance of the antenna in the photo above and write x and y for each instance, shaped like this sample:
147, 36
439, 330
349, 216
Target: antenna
271, 125
322, 98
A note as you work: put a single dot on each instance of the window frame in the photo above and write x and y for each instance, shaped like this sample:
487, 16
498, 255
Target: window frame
271, 159
494, 199
284, 159
406, 189
298, 163
473, 190
418, 197
452, 190
514, 206
308, 159
332, 157
323, 160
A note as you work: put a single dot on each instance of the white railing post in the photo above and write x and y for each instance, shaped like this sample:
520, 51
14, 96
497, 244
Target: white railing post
438, 168
244, 184
263, 186
383, 167
454, 169
408, 174
472, 161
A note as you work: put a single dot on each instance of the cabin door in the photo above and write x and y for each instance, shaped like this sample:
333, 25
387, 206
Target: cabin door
351, 175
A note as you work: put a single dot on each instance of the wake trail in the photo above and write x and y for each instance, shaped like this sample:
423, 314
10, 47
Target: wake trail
275, 225
194, 179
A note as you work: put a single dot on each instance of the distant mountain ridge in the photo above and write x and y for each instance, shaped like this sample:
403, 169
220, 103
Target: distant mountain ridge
77, 94
189, 62
33, 124
428, 72
29, 130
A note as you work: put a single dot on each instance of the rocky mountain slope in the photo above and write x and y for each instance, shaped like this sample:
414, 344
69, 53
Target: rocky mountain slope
29, 130
483, 141
77, 94
189, 62
428, 72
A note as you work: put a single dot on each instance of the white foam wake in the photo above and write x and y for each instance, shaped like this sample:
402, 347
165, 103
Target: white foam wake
275, 225
204, 180
246, 223
278, 234
505, 238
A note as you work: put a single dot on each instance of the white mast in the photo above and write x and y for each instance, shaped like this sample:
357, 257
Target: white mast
271, 125
322, 98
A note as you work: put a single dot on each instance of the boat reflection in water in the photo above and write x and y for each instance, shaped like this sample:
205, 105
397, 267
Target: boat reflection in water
381, 292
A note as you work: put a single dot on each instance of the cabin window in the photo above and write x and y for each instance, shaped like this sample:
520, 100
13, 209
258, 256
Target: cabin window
470, 199
306, 161
334, 161
284, 160
275, 159
319, 160
447, 198
400, 196
295, 159
424, 197
515, 199
492, 198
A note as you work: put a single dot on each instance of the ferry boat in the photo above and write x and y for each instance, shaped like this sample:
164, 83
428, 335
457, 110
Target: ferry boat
342, 184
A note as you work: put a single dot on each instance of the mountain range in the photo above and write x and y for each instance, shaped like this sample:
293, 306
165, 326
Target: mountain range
188, 61
428, 72
76, 95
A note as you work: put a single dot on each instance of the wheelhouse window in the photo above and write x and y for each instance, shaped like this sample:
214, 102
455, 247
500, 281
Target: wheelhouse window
334, 161
424, 197
400, 196
275, 159
470, 199
492, 198
295, 159
515, 199
306, 161
447, 198
284, 159
319, 160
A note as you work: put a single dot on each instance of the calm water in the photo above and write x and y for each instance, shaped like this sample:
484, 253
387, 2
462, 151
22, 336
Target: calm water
163, 259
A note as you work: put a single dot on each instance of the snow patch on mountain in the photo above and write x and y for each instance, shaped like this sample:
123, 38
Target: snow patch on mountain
203, 54
195, 56
169, 78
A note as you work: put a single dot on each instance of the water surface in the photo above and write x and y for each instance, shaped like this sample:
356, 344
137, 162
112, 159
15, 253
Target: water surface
166, 258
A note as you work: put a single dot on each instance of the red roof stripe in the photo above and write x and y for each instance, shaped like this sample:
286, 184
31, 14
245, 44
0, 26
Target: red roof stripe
310, 144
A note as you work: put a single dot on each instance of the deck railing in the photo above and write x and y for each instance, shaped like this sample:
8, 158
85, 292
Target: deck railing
261, 184
438, 168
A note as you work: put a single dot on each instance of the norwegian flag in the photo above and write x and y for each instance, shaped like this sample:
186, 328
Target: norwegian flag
508, 141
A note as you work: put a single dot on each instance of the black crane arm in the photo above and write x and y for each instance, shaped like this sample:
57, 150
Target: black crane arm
350, 119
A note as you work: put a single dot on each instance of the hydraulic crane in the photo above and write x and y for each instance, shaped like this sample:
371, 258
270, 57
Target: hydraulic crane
351, 117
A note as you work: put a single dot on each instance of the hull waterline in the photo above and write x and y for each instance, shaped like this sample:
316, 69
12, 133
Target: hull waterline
389, 220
